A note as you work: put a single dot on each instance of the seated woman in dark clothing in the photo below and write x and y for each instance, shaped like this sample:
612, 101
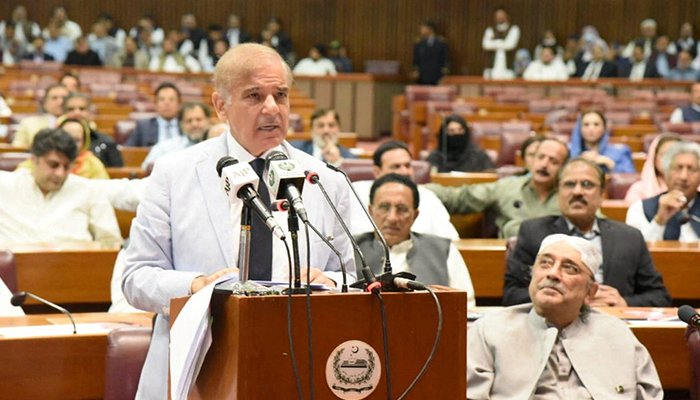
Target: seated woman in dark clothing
455, 151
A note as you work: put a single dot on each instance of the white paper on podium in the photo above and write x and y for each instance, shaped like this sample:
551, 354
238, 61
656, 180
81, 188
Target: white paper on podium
190, 339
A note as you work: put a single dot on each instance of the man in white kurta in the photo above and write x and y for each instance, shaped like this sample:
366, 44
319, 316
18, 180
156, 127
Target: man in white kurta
394, 157
556, 347
49, 204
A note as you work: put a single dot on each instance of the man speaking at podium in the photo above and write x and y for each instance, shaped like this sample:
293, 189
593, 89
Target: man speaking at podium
186, 235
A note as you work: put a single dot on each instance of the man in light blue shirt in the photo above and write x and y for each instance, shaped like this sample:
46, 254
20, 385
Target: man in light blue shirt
194, 119
684, 71
57, 45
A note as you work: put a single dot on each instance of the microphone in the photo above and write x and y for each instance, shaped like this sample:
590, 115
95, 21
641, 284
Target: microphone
239, 180
286, 181
19, 298
373, 284
688, 315
314, 179
387, 254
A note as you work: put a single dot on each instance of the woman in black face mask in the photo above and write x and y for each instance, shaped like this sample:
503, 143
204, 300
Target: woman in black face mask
455, 151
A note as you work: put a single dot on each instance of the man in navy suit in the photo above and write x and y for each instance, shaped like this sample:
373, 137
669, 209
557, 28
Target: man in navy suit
164, 126
325, 128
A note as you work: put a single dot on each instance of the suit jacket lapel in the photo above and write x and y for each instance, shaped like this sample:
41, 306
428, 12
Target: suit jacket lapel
608, 240
217, 206
559, 226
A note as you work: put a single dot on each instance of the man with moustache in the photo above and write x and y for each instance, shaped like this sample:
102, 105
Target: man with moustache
512, 199
557, 347
675, 214
627, 276
186, 233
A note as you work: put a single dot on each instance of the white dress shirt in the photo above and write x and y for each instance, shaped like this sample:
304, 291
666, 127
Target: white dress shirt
457, 271
320, 67
677, 114
167, 129
76, 212
652, 231
280, 263
539, 71
637, 73
592, 71
6, 308
433, 218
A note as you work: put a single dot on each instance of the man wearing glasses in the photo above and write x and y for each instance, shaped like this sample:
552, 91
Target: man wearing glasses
627, 276
435, 260
557, 347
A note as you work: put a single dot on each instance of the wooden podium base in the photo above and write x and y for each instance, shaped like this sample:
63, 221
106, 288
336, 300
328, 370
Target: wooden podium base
250, 357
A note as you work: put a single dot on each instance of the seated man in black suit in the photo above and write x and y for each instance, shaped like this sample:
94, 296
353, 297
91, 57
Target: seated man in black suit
37, 55
627, 277
164, 126
325, 128
597, 67
640, 68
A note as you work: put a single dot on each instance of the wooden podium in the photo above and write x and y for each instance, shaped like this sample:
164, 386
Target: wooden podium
250, 358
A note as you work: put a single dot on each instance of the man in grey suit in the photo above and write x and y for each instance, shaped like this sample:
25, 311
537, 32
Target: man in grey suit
185, 235
557, 347
163, 126
627, 277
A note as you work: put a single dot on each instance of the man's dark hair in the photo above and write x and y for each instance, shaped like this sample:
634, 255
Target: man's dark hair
48, 140
386, 146
76, 95
322, 112
321, 48
529, 141
395, 178
47, 91
9, 24
431, 25
166, 85
69, 75
192, 105
599, 171
215, 27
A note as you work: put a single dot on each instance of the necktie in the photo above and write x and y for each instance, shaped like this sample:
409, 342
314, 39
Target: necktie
261, 242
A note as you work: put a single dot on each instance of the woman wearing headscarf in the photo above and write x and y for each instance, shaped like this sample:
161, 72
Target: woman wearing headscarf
589, 139
86, 164
652, 181
455, 150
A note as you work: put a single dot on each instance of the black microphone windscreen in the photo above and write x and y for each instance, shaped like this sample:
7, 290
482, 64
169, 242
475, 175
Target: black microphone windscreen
686, 313
225, 162
18, 299
274, 156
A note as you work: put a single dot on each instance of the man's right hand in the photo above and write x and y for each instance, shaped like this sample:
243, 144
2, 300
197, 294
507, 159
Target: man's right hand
200, 282
669, 205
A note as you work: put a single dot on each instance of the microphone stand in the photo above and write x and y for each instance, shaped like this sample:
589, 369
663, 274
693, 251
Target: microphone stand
244, 244
293, 225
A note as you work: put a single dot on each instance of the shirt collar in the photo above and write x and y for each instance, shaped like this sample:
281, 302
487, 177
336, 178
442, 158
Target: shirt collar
403, 247
595, 229
237, 151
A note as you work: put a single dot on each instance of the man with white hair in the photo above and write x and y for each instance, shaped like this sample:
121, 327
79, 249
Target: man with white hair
675, 214
186, 233
557, 347
648, 30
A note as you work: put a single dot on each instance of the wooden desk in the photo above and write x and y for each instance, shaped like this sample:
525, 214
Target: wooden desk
666, 346
677, 263
615, 209
459, 179
65, 275
58, 367
126, 172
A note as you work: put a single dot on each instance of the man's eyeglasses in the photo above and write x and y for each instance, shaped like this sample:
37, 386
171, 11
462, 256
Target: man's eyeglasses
585, 185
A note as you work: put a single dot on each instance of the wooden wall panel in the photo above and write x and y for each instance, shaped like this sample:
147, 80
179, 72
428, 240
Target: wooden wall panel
386, 29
